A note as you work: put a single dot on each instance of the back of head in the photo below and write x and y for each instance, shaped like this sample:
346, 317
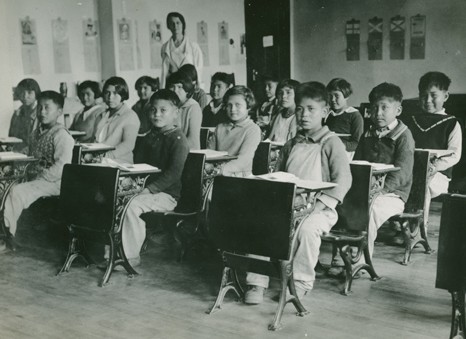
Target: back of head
93, 85
27, 84
183, 79
56, 97
190, 70
311, 90
243, 91
165, 94
439, 79
387, 90
121, 87
290, 83
341, 85
226, 78
149, 81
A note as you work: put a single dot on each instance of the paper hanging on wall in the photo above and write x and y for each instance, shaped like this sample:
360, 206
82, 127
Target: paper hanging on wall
397, 38
375, 39
155, 34
353, 34
138, 48
203, 41
125, 45
91, 46
61, 46
223, 43
29, 48
417, 48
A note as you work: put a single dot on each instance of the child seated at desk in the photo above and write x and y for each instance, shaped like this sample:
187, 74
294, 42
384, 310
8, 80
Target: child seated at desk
199, 95
267, 110
388, 141
314, 153
435, 129
239, 137
215, 112
165, 147
52, 145
145, 86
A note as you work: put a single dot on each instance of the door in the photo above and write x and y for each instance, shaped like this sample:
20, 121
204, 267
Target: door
267, 42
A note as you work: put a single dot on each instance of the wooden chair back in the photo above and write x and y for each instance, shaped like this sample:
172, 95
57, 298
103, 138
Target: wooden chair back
417, 196
76, 158
252, 216
353, 213
192, 184
205, 133
88, 197
261, 160
451, 260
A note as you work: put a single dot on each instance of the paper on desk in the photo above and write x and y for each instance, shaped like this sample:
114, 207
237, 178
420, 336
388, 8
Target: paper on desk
209, 153
95, 145
375, 165
12, 156
10, 140
138, 168
289, 177
275, 143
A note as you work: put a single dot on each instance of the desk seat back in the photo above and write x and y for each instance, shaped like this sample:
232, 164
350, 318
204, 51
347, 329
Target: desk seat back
417, 195
192, 184
76, 158
261, 160
451, 260
88, 197
353, 213
204, 135
252, 216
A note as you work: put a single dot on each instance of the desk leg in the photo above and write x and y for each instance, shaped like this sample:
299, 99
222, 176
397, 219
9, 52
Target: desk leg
458, 314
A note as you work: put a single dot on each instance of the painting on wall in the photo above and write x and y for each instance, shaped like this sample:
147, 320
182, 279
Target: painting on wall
203, 41
155, 36
375, 39
223, 43
29, 47
91, 45
397, 38
125, 45
417, 48
61, 47
353, 33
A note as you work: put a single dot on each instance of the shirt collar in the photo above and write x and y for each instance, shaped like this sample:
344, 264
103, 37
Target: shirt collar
386, 130
348, 109
442, 112
242, 123
314, 137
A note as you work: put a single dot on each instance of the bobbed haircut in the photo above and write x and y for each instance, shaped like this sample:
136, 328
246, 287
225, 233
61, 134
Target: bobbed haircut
241, 90
92, 85
190, 70
121, 87
182, 78
311, 90
439, 79
339, 84
387, 90
290, 83
226, 78
149, 81
176, 15
27, 84
56, 97
165, 94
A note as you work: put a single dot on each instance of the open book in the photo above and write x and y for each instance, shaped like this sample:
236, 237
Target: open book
289, 177
209, 153
375, 165
10, 140
12, 156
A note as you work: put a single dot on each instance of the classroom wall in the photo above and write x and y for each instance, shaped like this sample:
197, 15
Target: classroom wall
319, 43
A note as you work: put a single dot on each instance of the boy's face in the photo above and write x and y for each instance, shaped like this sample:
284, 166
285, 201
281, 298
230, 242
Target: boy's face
180, 92
28, 98
310, 112
237, 108
145, 92
384, 111
218, 89
49, 112
270, 88
286, 97
433, 99
87, 97
162, 113
337, 101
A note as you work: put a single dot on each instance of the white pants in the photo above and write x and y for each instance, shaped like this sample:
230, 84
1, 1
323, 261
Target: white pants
383, 208
438, 185
308, 249
21, 196
134, 228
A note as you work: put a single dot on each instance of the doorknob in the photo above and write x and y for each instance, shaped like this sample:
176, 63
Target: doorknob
254, 74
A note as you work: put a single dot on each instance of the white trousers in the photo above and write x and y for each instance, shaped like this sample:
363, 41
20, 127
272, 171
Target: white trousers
308, 249
21, 196
438, 185
134, 228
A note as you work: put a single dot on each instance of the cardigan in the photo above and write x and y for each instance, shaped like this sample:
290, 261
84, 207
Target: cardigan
86, 121
189, 121
350, 121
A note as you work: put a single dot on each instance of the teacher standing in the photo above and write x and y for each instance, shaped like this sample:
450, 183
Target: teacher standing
179, 50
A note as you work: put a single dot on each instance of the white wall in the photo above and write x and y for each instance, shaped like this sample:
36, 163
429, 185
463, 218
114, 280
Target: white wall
319, 52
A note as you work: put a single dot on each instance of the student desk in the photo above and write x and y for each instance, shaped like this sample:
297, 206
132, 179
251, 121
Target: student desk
210, 175
379, 173
91, 154
76, 134
7, 143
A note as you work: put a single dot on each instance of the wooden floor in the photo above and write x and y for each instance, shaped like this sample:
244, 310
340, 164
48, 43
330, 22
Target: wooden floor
169, 300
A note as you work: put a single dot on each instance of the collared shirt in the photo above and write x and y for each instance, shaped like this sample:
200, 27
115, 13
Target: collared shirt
384, 131
348, 109
455, 143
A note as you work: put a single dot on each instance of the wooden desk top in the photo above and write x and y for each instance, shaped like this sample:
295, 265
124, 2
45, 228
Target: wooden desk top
76, 133
27, 159
10, 140
95, 147
133, 169
302, 185
221, 158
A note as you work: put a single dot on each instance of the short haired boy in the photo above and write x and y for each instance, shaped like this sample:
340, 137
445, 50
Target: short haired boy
435, 129
166, 147
267, 110
52, 145
388, 141
315, 153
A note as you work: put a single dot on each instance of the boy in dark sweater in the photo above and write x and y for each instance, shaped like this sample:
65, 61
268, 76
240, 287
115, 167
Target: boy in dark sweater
388, 141
166, 147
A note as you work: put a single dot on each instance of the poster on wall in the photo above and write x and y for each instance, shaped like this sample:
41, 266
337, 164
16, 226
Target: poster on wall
397, 38
91, 46
417, 48
61, 46
155, 34
29, 48
223, 43
125, 45
353, 34
375, 39
203, 41
138, 48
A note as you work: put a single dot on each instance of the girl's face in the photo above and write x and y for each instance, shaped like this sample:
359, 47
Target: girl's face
145, 92
28, 98
270, 89
237, 108
87, 97
218, 89
286, 97
111, 97
337, 101
180, 92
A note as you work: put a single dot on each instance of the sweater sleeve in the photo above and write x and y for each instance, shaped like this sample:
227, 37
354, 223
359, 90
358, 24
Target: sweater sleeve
356, 130
194, 129
246, 152
63, 143
128, 138
165, 64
